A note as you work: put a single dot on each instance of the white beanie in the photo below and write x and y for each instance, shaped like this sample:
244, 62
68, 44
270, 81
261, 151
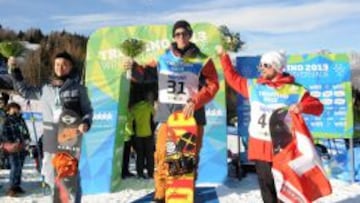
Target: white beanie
276, 58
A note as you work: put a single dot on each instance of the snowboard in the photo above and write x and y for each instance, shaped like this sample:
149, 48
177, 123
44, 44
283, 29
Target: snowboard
280, 129
180, 158
67, 157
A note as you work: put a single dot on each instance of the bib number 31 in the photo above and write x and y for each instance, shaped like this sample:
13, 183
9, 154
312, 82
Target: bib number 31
175, 87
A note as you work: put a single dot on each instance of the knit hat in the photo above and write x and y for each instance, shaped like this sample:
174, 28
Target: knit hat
275, 58
182, 24
66, 56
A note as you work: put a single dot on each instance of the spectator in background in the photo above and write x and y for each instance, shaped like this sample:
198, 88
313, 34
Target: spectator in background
15, 131
4, 159
4, 98
128, 143
142, 113
3, 69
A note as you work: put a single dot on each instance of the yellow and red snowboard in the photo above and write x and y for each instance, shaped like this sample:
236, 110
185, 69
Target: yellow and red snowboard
181, 159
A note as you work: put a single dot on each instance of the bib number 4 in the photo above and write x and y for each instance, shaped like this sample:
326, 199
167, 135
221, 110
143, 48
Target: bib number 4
262, 120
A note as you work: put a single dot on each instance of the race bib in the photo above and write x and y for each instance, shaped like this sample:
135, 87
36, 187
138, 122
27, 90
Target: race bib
260, 120
177, 88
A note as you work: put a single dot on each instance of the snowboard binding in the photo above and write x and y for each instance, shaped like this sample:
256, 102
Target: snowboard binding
181, 164
181, 155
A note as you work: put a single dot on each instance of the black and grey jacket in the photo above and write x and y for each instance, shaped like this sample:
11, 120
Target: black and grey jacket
15, 130
70, 95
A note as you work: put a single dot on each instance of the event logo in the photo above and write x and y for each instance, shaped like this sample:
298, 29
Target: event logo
157, 45
309, 70
110, 54
308, 67
339, 70
200, 37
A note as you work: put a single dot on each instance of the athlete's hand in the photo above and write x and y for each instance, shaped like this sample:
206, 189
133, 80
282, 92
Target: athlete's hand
12, 63
189, 109
296, 108
128, 63
83, 128
220, 50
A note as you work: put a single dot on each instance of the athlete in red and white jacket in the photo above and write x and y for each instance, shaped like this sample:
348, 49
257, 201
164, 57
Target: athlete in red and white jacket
272, 90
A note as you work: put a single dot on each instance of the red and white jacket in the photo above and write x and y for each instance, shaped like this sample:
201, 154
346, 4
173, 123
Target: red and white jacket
263, 149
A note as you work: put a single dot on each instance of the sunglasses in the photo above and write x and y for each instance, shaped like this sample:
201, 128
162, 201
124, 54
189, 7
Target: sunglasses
184, 34
264, 65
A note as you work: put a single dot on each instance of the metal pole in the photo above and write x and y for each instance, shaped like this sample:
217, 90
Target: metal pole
352, 159
37, 147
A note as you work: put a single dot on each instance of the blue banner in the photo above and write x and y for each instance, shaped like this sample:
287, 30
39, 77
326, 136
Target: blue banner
247, 67
327, 77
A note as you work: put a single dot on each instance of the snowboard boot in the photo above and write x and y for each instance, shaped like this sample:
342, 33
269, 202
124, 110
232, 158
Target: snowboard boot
159, 200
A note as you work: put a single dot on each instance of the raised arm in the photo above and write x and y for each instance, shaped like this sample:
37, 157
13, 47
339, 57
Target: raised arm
25, 90
233, 78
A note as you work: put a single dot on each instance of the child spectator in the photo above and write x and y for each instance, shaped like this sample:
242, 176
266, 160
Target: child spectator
15, 131
128, 143
142, 113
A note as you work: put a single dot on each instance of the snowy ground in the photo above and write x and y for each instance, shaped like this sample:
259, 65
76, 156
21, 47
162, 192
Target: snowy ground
232, 191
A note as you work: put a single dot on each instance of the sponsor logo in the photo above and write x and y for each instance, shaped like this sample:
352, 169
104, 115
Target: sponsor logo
103, 116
